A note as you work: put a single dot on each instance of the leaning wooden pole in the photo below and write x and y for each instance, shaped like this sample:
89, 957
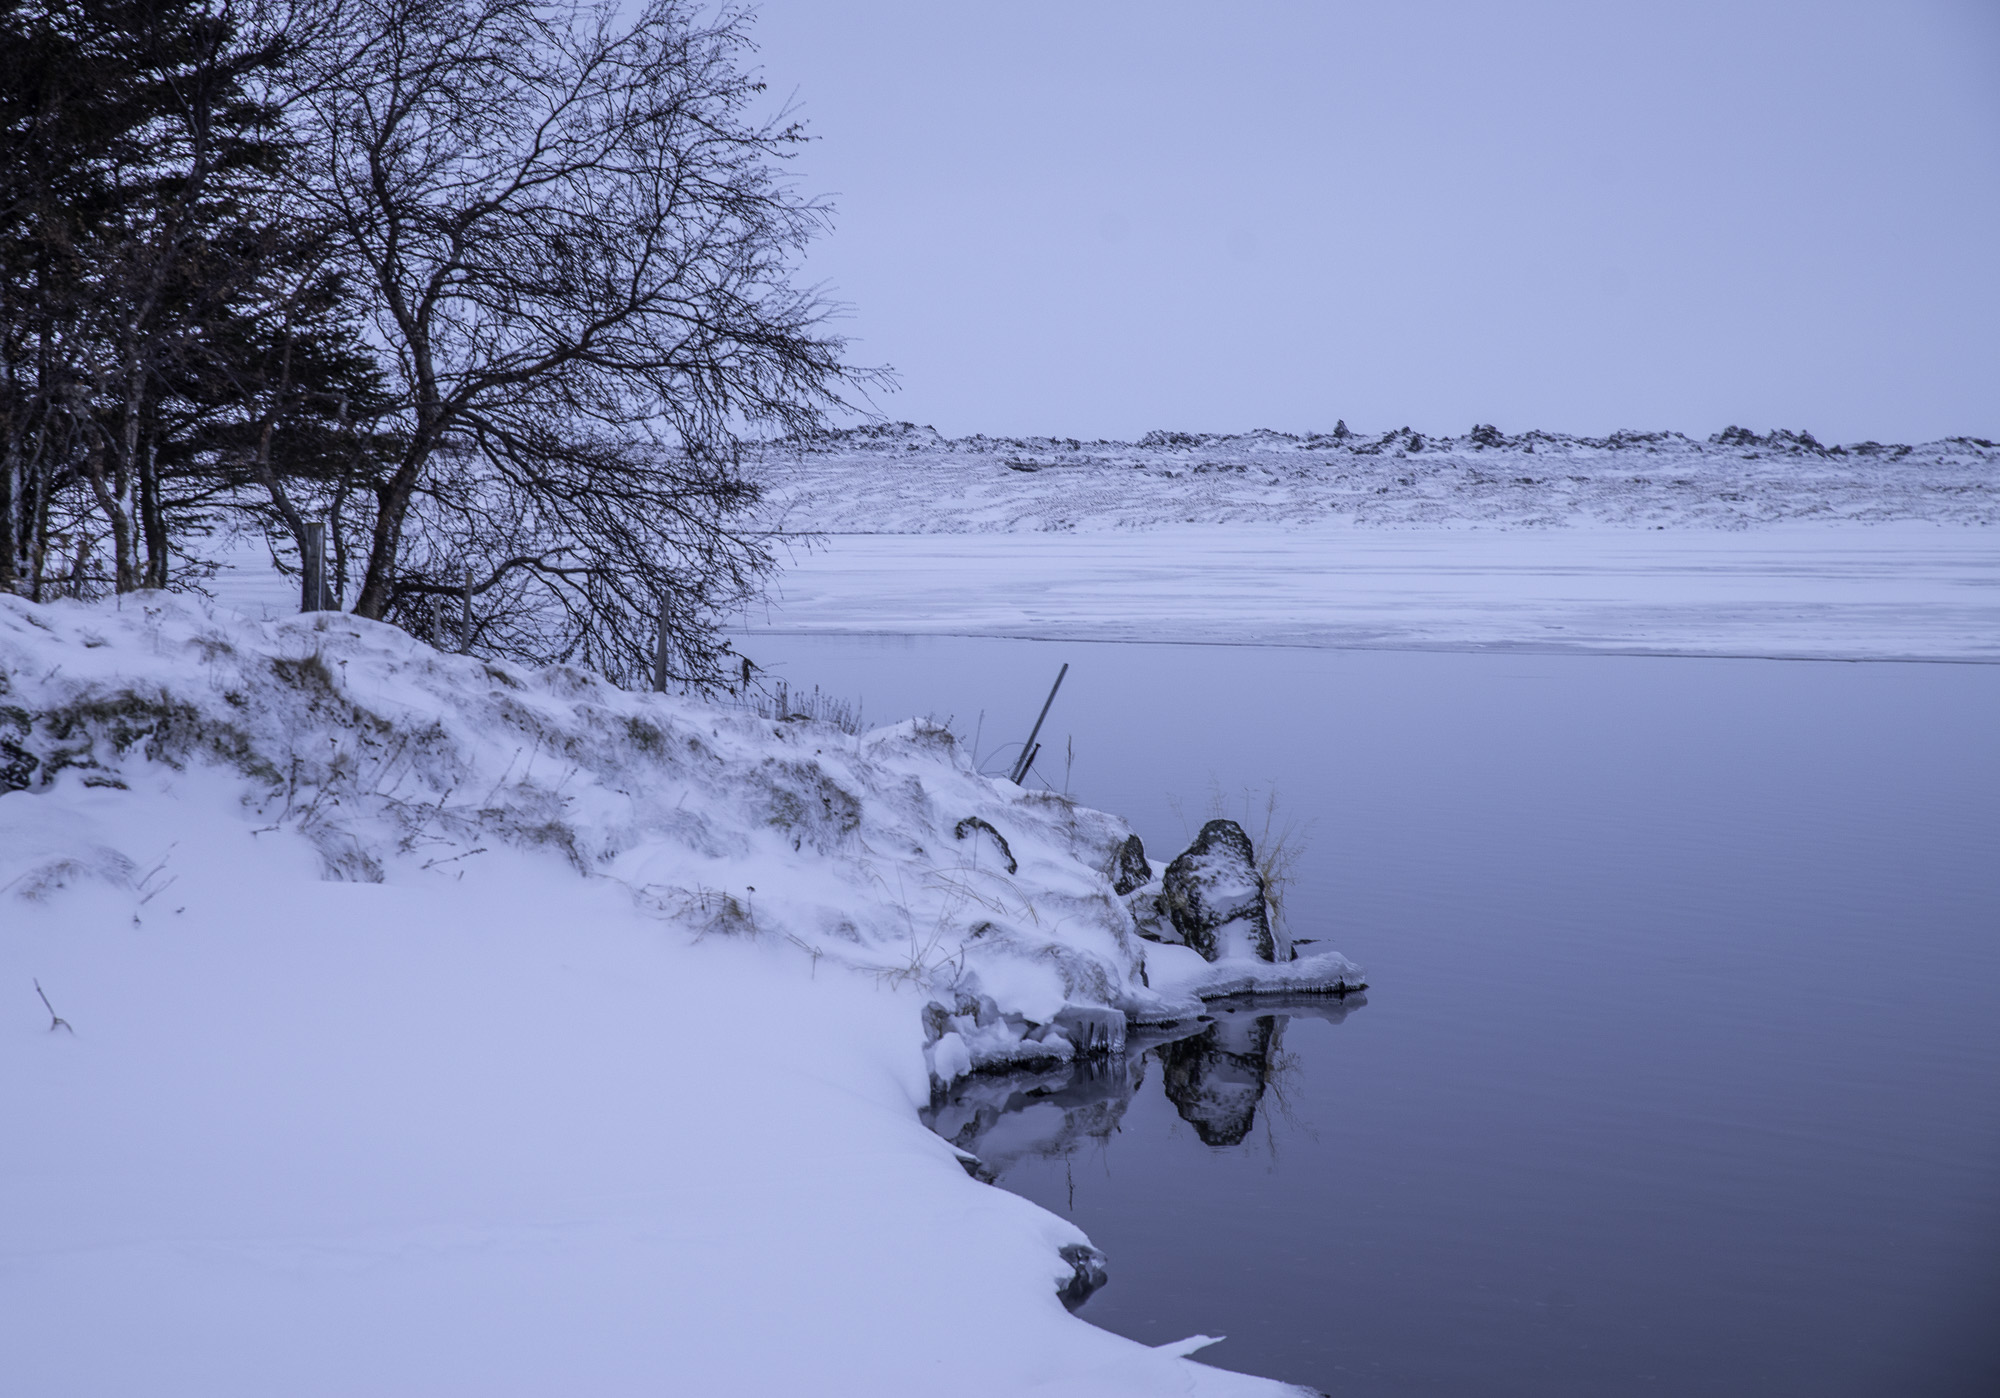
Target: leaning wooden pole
1028, 749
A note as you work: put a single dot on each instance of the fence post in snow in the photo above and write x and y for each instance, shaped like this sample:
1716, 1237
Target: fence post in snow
312, 567
465, 614
660, 654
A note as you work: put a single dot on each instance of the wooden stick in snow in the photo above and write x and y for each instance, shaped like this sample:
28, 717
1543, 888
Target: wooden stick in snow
1028, 749
56, 1021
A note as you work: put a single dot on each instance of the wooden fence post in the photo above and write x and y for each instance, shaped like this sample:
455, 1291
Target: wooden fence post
312, 567
660, 655
465, 615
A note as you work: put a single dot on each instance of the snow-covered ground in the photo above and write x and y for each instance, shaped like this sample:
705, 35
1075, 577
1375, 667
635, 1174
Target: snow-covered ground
1644, 543
905, 479
432, 1026
439, 1027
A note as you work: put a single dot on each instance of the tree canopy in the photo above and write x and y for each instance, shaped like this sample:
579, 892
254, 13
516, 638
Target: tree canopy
489, 290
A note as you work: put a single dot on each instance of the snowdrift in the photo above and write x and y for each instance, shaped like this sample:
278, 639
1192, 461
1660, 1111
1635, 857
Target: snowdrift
545, 1037
885, 853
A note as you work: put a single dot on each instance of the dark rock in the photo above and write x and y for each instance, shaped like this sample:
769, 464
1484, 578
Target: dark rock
1087, 1265
977, 1168
971, 823
936, 1019
17, 767
1215, 896
1132, 870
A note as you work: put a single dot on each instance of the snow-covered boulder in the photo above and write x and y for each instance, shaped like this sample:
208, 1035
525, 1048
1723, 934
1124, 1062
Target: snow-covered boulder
1131, 871
1215, 896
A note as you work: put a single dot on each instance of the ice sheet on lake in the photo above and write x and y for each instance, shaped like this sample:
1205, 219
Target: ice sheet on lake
1771, 545
1900, 591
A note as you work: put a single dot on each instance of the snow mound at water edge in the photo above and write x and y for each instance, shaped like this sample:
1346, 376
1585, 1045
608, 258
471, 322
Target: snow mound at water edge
884, 853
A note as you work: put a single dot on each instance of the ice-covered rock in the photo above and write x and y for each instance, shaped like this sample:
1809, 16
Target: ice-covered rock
1087, 1273
1215, 896
1131, 871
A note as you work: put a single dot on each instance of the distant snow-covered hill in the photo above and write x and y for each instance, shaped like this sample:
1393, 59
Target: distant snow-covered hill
901, 478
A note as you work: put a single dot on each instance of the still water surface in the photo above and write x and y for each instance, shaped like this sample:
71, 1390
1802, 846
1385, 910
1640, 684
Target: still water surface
1680, 1068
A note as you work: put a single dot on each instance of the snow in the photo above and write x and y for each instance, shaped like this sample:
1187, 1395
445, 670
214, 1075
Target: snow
1638, 544
450, 1027
1886, 592
906, 479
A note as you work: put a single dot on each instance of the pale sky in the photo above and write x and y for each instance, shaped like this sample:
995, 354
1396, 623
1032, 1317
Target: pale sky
1096, 217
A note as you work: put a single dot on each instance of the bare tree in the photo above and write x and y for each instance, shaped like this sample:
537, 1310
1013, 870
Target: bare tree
577, 242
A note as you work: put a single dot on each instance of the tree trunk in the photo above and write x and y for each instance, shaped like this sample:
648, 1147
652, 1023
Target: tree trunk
152, 514
392, 507
10, 493
109, 495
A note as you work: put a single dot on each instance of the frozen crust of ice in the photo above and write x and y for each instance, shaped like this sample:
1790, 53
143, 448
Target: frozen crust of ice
1180, 972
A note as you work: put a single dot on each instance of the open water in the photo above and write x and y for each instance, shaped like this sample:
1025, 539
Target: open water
1679, 1069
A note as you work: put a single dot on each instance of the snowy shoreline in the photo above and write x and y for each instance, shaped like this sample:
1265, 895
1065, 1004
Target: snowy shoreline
394, 977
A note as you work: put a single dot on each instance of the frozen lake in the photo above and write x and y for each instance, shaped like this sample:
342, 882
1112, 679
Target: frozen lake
1679, 1071
1904, 591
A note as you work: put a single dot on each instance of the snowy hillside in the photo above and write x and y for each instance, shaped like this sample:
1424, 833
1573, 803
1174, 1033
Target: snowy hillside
553, 1037
907, 479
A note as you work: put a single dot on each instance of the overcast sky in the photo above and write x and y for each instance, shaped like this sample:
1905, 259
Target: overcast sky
1095, 217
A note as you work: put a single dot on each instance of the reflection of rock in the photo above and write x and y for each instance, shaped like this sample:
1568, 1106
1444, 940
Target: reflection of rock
1005, 1117
1087, 1273
1131, 871
1215, 1071
1215, 897
1333, 1007
1216, 1078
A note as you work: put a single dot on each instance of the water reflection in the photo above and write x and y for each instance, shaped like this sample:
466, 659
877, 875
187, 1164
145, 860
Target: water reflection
1214, 1070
